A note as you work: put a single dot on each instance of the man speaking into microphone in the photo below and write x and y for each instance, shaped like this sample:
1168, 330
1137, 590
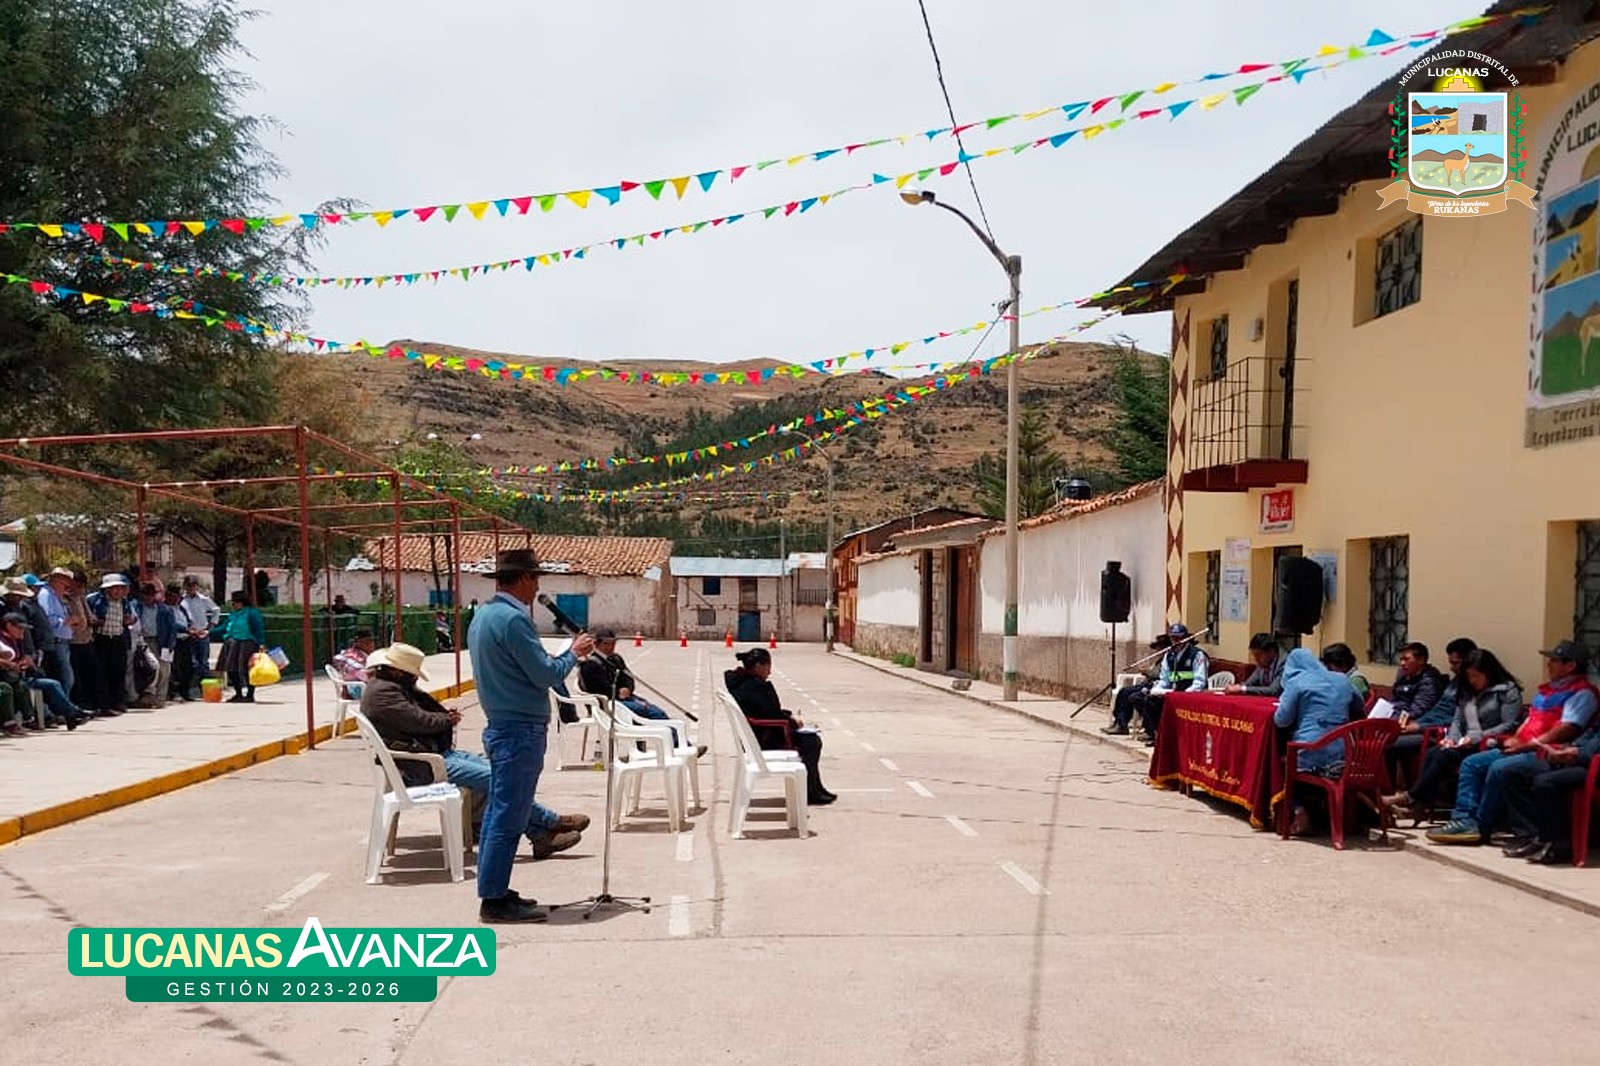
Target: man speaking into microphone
514, 674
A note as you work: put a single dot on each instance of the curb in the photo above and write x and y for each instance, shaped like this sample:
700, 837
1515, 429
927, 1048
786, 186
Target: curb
1083, 732
13, 829
1416, 846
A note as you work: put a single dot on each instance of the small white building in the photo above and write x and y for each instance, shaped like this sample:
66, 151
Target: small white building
754, 599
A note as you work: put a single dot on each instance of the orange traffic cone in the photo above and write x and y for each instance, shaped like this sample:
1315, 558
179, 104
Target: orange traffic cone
727, 641
773, 643
638, 640
683, 639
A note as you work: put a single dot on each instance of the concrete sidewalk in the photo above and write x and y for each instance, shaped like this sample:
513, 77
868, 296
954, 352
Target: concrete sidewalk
50, 778
1570, 886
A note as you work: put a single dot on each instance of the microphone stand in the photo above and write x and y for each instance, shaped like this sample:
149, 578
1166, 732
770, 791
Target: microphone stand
1138, 662
605, 897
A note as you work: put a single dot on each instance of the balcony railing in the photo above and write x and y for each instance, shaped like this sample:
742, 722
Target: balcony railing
1239, 436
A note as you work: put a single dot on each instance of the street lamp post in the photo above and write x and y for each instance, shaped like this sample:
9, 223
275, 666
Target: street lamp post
1012, 265
828, 611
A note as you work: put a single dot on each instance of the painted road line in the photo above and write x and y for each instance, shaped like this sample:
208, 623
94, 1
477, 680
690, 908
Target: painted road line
289, 898
678, 916
890, 765
920, 789
961, 827
842, 791
1018, 874
686, 847
866, 747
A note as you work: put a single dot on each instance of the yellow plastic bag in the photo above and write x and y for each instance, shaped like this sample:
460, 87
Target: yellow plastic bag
263, 671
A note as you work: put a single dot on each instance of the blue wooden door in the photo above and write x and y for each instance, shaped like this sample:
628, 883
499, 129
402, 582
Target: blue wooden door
749, 626
575, 606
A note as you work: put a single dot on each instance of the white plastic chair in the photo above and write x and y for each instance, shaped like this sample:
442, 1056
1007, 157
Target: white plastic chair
628, 772
343, 705
755, 764
393, 797
585, 704
687, 751
1218, 681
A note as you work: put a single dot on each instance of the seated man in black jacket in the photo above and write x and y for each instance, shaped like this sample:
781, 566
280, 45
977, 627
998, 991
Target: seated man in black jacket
409, 719
750, 689
1267, 678
604, 673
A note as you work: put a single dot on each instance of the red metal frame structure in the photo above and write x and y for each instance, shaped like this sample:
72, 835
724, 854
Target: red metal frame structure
303, 439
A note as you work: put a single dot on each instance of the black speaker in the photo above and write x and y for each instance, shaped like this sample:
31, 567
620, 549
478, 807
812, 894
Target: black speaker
1116, 593
1299, 595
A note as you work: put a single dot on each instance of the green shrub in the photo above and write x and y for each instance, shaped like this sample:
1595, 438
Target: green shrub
333, 633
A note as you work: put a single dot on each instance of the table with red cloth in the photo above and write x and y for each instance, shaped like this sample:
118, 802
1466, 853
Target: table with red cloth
1226, 746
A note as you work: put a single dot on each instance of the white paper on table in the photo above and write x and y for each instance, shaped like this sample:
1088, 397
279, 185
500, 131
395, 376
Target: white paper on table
1382, 709
166, 655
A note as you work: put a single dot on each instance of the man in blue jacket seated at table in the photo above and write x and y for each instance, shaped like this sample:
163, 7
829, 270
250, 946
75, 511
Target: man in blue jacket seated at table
1183, 669
1315, 702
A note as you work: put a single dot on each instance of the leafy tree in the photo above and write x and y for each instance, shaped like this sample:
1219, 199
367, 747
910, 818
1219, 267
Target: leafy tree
120, 110
1038, 466
1138, 437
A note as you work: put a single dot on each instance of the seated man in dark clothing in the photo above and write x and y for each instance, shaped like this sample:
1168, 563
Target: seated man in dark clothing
1422, 698
750, 689
603, 672
1267, 678
409, 719
1183, 669
1544, 803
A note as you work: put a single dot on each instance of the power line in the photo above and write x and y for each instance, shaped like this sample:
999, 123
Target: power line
938, 69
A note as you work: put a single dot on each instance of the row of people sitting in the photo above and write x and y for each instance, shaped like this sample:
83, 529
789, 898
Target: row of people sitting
1186, 668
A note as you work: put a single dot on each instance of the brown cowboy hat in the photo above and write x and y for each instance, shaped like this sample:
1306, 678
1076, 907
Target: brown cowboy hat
516, 561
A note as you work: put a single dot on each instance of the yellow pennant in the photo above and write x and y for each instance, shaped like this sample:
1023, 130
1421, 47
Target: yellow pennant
579, 197
142, 229
89, 297
1329, 50
1091, 132
383, 218
195, 228
1208, 102
283, 220
49, 229
900, 182
478, 208
680, 184
1031, 115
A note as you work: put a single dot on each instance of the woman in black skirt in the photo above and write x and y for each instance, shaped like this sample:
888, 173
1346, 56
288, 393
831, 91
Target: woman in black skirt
243, 635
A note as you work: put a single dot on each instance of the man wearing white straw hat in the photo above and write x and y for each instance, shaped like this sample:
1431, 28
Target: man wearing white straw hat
410, 719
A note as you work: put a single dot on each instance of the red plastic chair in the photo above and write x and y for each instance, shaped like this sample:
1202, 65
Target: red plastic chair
777, 723
1365, 773
1582, 806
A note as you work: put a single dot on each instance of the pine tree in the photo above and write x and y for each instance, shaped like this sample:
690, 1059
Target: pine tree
1038, 466
1138, 437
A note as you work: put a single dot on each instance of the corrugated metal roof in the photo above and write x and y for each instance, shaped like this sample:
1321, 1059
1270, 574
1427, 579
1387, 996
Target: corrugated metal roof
807, 561
713, 566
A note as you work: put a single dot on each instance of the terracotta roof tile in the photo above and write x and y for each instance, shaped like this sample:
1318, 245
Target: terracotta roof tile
597, 556
1070, 509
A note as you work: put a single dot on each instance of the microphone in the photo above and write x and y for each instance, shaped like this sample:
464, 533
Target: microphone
563, 621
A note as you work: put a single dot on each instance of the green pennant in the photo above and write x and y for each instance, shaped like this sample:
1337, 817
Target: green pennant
120, 229
1245, 92
1130, 98
255, 223
763, 165
450, 211
1294, 65
1355, 53
654, 188
922, 175
547, 202
768, 212
1002, 120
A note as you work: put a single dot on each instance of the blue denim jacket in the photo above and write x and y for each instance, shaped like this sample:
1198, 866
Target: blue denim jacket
512, 670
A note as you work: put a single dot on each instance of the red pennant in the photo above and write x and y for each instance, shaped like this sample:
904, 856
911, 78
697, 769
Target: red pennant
656, 235
629, 186
959, 130
139, 309
4, 227
852, 147
1098, 104
549, 373
230, 324
425, 213
948, 169
41, 287
1152, 113
397, 352
1251, 68
172, 227
791, 207
234, 226
95, 230
716, 222
523, 203
333, 219
694, 379
736, 173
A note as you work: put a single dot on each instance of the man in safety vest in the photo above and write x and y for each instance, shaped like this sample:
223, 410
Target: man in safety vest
1183, 669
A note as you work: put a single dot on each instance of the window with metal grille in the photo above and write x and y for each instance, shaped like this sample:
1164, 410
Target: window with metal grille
1213, 596
1388, 586
705, 616
1399, 269
1219, 348
1586, 615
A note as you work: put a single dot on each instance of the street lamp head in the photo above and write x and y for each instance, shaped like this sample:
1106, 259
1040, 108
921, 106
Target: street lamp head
921, 196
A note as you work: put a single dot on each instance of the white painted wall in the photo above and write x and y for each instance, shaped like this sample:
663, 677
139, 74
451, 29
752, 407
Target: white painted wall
1058, 573
631, 604
888, 591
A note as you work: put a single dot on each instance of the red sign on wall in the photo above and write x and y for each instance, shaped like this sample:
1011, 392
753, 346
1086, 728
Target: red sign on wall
1277, 511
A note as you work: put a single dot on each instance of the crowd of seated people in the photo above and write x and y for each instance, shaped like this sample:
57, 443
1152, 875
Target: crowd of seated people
97, 649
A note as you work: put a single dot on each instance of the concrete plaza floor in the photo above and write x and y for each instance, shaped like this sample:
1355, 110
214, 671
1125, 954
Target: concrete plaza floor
988, 889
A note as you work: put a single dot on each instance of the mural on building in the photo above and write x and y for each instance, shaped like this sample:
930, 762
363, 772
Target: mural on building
1564, 354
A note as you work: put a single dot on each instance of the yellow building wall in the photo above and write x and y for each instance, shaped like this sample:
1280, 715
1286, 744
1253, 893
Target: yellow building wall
1413, 425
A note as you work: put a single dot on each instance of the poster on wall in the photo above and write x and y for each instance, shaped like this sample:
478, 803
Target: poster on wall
1329, 561
1234, 596
1564, 354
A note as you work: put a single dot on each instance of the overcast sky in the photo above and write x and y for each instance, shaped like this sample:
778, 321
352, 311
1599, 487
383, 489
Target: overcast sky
401, 103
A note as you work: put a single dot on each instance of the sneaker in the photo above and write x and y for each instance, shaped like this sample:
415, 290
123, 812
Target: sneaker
572, 823
1115, 729
547, 844
1521, 849
1454, 832
511, 908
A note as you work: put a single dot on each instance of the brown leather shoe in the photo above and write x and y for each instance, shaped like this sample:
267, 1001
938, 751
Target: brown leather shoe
547, 844
572, 823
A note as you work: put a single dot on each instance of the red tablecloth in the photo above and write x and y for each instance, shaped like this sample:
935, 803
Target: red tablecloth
1223, 745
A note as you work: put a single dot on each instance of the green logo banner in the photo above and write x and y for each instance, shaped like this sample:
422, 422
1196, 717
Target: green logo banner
281, 990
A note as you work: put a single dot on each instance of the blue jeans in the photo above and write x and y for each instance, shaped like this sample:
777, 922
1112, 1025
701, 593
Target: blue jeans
645, 709
515, 748
58, 664
1481, 787
55, 697
467, 770
200, 649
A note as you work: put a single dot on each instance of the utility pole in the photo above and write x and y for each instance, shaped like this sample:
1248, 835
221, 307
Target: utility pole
783, 576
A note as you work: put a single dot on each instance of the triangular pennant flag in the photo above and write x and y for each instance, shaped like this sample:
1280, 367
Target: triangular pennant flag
523, 203
1062, 138
993, 122
95, 230
710, 176
1074, 110
680, 184
1164, 86
382, 217
611, 193
1293, 65
195, 228
501, 205
578, 196
1302, 72
425, 213
450, 211
1130, 98
1329, 50
120, 229
547, 201
654, 189
1245, 92
1208, 102
1354, 54
478, 208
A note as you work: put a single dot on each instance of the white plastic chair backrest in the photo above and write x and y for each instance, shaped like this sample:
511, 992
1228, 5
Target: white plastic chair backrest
390, 772
1219, 680
743, 733
338, 682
